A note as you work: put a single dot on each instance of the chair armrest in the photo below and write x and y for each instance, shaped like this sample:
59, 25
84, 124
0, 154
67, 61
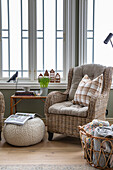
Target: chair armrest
2, 109
55, 97
97, 106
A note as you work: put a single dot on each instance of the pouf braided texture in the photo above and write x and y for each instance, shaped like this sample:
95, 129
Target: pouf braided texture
30, 133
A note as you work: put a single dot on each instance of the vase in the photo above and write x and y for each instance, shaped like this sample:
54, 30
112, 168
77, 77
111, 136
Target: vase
44, 91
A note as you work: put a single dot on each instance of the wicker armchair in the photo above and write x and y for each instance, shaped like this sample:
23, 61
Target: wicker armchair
64, 117
2, 110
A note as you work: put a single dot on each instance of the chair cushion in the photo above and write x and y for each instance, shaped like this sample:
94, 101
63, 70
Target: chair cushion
67, 108
92, 70
86, 89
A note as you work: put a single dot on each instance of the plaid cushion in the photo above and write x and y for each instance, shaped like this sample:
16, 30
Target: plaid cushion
86, 89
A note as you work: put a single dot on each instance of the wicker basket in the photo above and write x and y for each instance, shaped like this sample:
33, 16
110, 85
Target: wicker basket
100, 158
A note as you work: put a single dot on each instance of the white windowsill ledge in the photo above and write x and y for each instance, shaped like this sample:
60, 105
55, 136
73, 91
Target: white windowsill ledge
33, 85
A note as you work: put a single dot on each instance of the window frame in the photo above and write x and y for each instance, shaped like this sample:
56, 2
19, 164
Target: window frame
32, 45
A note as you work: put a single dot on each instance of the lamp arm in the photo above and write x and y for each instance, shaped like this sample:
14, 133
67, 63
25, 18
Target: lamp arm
111, 43
16, 82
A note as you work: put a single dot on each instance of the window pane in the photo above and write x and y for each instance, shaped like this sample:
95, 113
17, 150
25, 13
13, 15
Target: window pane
5, 74
49, 34
39, 14
25, 74
59, 14
90, 15
39, 54
15, 34
24, 14
5, 54
60, 34
60, 54
4, 14
103, 53
89, 34
89, 51
25, 33
4, 33
40, 34
25, 54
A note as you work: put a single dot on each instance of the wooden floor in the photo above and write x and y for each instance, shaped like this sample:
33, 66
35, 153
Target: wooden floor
62, 150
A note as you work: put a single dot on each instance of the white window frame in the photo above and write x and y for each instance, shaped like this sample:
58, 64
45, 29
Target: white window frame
69, 38
82, 32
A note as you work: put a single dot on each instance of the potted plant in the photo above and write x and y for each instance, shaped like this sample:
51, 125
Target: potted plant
44, 81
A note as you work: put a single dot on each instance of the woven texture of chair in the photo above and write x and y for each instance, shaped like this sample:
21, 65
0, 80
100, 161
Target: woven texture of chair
98, 158
2, 110
67, 123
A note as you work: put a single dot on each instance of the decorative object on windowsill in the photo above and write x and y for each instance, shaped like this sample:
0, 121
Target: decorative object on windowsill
108, 38
14, 78
44, 81
40, 75
46, 73
52, 76
57, 78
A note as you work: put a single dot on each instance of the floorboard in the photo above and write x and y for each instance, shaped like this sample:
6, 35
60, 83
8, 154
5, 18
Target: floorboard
62, 150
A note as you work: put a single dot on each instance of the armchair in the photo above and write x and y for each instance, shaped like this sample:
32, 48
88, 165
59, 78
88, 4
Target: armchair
64, 117
2, 110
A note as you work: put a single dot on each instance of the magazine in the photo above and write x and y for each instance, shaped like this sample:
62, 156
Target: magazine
19, 118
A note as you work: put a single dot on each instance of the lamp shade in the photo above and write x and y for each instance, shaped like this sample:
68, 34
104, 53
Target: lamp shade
108, 38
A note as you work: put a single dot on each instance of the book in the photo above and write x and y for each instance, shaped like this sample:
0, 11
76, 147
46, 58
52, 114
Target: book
19, 118
24, 93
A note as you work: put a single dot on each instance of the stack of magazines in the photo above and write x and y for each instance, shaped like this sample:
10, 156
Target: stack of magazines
19, 118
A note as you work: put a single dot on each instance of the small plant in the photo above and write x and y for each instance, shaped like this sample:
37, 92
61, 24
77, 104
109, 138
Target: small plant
44, 81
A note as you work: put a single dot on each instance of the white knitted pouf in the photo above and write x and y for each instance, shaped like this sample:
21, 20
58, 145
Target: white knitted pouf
30, 133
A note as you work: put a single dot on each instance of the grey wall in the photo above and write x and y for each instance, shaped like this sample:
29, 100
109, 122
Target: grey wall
26, 105
37, 106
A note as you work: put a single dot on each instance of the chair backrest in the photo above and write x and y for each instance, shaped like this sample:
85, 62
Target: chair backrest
92, 70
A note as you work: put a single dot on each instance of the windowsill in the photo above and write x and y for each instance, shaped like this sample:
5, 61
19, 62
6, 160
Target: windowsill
33, 85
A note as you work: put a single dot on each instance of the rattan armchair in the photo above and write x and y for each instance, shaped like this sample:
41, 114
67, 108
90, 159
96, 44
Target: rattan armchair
62, 116
2, 110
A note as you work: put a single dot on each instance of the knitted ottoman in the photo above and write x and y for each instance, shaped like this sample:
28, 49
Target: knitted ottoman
30, 133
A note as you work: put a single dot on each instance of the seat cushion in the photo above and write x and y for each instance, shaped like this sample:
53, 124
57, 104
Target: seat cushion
68, 108
92, 70
88, 88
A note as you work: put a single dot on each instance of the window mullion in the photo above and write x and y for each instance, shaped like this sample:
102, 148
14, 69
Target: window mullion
56, 40
0, 43
93, 32
64, 39
8, 38
32, 39
43, 37
21, 44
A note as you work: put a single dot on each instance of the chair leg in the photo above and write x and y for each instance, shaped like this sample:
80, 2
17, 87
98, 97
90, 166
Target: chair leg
0, 135
50, 136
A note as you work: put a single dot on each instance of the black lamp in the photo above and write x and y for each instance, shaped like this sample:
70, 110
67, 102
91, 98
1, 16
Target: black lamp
108, 38
14, 78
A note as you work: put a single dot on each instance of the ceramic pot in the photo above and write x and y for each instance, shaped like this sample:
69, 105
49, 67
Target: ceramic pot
44, 91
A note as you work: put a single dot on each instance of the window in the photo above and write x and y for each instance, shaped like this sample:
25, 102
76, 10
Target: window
14, 37
50, 36
99, 25
31, 37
